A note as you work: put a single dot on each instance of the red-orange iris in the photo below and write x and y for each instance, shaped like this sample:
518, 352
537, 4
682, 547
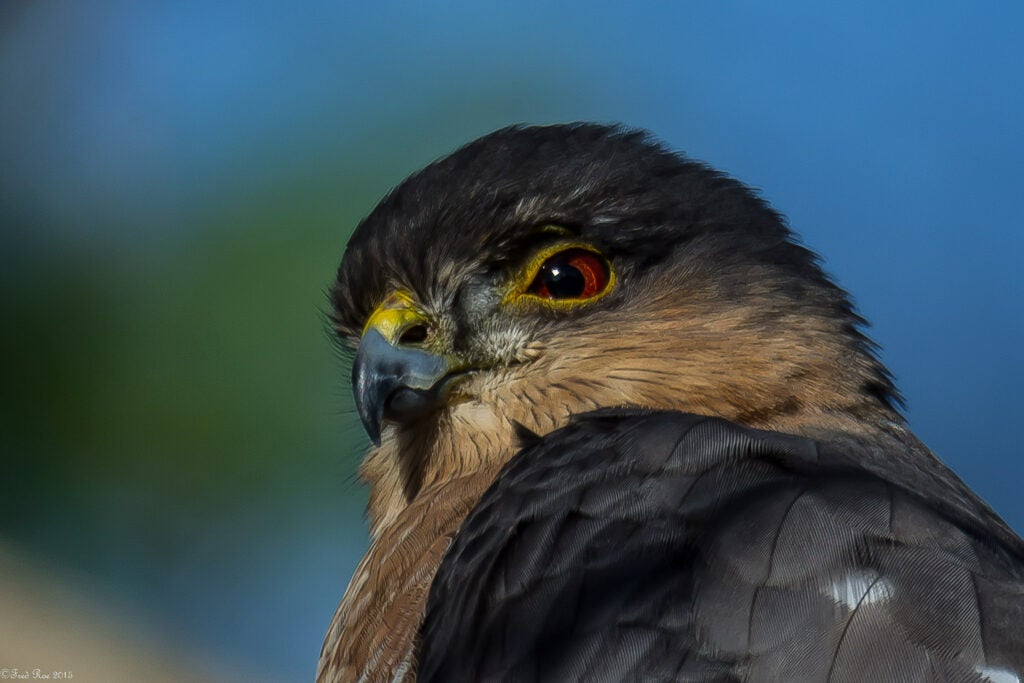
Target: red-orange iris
571, 274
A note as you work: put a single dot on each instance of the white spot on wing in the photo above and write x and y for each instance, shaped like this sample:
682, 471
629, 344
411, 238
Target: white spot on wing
862, 588
994, 675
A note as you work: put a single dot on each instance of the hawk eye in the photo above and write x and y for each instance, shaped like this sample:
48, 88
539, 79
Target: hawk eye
571, 274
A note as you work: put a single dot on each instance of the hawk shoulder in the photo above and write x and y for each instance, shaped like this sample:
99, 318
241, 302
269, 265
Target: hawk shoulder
667, 546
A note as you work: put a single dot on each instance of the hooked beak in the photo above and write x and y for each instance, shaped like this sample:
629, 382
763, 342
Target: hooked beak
391, 380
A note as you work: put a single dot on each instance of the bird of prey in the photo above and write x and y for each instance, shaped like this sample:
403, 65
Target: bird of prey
625, 428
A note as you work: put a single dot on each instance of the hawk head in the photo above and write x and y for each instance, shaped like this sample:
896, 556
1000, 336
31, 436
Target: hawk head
540, 272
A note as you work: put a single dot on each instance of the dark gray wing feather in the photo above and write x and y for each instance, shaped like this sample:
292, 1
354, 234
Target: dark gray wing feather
661, 546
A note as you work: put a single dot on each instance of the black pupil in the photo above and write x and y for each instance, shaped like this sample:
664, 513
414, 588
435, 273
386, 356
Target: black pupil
562, 280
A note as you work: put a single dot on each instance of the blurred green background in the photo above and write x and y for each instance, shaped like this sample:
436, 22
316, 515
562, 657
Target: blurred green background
177, 184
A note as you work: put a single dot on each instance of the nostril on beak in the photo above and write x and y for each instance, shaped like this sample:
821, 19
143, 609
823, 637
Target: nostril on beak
417, 334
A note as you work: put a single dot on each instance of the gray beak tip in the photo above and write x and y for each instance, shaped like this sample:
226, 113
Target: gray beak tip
393, 380
368, 402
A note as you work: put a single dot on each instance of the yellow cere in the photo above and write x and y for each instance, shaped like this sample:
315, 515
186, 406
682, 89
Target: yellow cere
395, 315
518, 293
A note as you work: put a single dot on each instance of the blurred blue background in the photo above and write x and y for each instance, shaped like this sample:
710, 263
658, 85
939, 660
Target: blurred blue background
178, 181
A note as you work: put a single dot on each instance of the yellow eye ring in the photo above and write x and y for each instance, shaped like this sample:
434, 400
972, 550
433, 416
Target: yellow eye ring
563, 275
